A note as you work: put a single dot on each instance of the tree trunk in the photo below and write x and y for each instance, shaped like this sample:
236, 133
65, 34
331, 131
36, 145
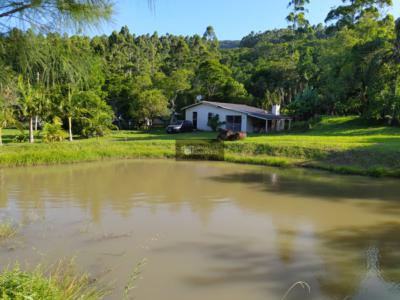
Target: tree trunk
31, 138
36, 122
1, 136
173, 110
70, 129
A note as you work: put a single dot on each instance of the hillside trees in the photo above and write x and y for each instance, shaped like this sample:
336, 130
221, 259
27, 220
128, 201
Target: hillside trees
349, 66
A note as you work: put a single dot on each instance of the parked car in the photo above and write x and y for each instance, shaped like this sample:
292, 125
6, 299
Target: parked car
180, 126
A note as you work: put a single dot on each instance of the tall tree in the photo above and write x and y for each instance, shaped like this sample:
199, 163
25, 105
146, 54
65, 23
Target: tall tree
352, 10
297, 17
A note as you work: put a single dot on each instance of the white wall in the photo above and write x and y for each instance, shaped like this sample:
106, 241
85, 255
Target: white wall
202, 115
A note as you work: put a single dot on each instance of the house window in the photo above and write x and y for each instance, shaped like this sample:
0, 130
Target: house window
210, 115
234, 123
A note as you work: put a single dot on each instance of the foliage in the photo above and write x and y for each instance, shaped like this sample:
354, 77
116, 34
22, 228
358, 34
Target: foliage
53, 132
95, 115
306, 105
149, 105
21, 137
7, 105
61, 283
348, 67
51, 13
297, 16
215, 81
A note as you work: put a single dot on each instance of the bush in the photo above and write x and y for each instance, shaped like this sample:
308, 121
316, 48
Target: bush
21, 138
214, 123
95, 117
306, 105
53, 132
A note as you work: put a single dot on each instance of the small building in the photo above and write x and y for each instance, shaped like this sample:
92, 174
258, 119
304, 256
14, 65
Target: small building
237, 117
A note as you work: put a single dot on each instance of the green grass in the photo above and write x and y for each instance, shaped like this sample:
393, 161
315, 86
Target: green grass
62, 283
339, 144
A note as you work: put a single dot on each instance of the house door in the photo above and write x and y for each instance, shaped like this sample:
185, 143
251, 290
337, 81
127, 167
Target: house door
194, 119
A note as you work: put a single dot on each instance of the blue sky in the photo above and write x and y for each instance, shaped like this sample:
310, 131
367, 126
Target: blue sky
232, 19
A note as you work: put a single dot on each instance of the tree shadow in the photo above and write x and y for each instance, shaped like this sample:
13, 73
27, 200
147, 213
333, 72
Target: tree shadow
316, 184
339, 266
238, 262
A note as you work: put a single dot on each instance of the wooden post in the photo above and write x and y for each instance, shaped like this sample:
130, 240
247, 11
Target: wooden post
266, 126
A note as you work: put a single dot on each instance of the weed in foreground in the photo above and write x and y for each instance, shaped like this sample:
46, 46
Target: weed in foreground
62, 282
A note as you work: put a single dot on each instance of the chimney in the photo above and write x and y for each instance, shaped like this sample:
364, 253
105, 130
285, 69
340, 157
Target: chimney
276, 109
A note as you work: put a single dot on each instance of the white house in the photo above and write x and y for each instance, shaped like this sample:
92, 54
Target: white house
237, 117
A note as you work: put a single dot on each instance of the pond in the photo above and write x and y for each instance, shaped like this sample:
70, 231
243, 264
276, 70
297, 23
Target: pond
208, 230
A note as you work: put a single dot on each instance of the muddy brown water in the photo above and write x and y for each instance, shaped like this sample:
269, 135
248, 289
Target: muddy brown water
208, 230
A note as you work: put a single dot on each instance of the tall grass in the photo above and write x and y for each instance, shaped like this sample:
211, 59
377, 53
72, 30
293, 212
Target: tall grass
60, 283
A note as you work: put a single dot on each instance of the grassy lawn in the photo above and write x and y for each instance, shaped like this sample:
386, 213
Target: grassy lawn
345, 145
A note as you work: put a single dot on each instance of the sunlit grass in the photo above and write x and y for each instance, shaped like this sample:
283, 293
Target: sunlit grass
61, 282
340, 144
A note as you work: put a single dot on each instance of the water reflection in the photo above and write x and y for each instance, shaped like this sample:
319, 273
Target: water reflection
212, 229
373, 285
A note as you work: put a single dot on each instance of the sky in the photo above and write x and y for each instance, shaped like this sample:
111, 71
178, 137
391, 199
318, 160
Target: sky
231, 19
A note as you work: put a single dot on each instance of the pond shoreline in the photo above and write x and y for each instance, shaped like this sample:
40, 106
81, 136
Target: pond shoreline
343, 145
242, 153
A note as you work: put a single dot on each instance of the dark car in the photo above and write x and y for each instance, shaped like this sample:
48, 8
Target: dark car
180, 126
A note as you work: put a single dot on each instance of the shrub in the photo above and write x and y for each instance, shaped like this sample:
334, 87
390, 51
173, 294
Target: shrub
214, 123
20, 138
96, 116
53, 132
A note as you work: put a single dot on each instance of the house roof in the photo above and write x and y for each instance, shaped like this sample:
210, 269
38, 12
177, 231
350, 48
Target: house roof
245, 109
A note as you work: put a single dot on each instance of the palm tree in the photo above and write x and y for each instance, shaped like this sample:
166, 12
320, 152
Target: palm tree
71, 108
28, 103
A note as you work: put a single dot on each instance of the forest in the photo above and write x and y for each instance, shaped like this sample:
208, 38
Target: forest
72, 85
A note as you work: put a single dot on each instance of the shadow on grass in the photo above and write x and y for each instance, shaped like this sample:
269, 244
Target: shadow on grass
353, 127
